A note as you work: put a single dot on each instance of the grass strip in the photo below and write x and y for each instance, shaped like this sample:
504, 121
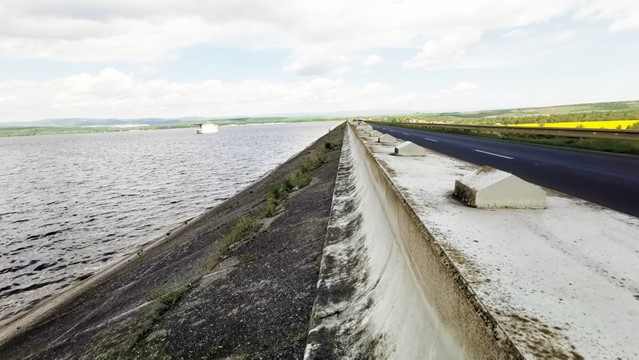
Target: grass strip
162, 302
300, 178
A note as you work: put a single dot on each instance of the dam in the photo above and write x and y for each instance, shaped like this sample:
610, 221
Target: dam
349, 251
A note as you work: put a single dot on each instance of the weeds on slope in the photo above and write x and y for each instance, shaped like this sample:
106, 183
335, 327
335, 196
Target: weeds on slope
300, 178
131, 346
243, 226
134, 345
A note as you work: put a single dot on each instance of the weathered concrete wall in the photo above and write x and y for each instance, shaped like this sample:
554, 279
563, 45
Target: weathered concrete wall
417, 304
368, 305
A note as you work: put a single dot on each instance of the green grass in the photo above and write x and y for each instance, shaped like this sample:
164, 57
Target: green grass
167, 299
131, 345
299, 179
53, 130
621, 110
241, 228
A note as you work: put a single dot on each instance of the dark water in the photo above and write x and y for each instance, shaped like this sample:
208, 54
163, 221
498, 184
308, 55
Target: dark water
72, 204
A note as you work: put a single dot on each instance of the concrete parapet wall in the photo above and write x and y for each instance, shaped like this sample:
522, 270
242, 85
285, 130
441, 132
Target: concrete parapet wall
433, 273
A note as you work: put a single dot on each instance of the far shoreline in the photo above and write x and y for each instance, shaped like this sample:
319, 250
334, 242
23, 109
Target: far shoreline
21, 131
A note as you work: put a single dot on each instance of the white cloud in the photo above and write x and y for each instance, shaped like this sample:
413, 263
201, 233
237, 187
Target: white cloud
444, 51
143, 30
323, 40
147, 73
622, 14
113, 93
372, 61
514, 34
465, 87
564, 36
317, 61
127, 40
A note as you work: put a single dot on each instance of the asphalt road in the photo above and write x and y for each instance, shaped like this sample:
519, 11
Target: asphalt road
607, 179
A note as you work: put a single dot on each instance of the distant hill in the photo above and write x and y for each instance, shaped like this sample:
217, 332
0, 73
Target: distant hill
605, 111
626, 110
617, 107
75, 122
79, 122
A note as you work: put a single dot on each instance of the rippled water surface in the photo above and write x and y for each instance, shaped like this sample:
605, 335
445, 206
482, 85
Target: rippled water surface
72, 204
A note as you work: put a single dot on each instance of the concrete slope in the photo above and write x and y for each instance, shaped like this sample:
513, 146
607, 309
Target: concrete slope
387, 289
611, 180
197, 294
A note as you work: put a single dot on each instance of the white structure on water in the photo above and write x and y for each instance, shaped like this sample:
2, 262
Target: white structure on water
207, 129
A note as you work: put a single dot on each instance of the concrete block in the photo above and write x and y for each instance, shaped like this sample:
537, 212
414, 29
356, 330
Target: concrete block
387, 139
407, 148
492, 188
375, 133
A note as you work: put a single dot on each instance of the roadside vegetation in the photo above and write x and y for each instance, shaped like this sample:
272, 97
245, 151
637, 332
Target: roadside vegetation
612, 111
615, 146
622, 115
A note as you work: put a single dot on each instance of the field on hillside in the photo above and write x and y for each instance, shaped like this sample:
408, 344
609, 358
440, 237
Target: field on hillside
580, 113
610, 124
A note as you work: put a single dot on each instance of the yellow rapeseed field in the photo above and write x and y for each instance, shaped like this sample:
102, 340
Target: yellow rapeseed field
610, 124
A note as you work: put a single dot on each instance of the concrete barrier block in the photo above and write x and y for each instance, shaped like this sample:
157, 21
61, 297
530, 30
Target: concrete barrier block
387, 139
492, 188
407, 148
375, 133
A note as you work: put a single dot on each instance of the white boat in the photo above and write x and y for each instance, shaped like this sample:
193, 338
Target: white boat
206, 129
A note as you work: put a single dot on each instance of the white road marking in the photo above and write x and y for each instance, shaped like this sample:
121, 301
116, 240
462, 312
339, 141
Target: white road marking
429, 139
404, 133
493, 154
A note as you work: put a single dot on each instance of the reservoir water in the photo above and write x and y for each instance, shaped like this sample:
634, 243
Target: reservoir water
70, 205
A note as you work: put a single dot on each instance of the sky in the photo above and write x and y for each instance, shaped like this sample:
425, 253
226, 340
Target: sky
178, 58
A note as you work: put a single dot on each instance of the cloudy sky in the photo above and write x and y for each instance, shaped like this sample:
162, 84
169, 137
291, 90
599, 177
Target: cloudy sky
171, 58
